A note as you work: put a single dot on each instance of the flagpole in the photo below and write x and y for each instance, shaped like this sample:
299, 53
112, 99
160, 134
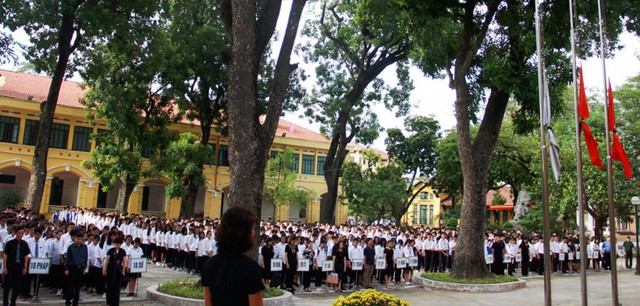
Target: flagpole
612, 209
583, 238
545, 177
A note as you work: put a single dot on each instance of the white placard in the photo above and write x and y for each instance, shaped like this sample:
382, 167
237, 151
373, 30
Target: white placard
327, 266
39, 265
507, 258
578, 255
596, 254
621, 253
380, 263
413, 261
489, 259
357, 264
276, 264
589, 254
518, 257
401, 262
138, 265
561, 256
1, 264
303, 265
570, 256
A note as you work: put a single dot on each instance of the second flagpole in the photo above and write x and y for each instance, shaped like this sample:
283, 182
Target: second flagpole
613, 256
581, 212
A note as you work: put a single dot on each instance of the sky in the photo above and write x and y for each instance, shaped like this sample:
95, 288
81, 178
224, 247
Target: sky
433, 97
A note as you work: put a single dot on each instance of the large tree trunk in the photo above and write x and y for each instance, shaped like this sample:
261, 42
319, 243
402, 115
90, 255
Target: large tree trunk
188, 203
598, 226
47, 110
475, 158
249, 139
124, 194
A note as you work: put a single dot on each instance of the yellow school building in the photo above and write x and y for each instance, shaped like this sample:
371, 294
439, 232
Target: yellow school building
69, 184
425, 208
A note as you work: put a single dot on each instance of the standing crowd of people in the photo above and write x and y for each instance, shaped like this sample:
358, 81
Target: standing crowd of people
91, 249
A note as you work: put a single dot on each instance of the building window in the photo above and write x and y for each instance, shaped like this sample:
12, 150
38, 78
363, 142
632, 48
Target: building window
424, 196
302, 214
7, 179
431, 196
30, 132
59, 136
9, 128
430, 214
320, 165
295, 160
307, 164
416, 216
623, 226
81, 139
211, 159
102, 198
223, 156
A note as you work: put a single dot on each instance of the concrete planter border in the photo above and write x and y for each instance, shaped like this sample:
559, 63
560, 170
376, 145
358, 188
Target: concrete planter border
153, 294
436, 285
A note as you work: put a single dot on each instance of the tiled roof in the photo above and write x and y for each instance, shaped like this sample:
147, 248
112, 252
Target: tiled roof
505, 192
33, 87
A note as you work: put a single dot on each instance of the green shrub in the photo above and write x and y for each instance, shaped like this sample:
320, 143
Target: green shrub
444, 277
507, 226
9, 198
452, 222
191, 288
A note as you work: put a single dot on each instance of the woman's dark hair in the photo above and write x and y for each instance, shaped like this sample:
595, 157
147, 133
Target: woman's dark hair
234, 234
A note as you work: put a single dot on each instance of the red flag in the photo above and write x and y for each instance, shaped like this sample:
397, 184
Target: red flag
618, 153
611, 111
592, 146
583, 107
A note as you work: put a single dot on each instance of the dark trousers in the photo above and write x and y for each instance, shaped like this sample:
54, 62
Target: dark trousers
74, 281
555, 261
319, 277
97, 280
201, 261
606, 261
306, 278
288, 279
192, 261
628, 259
525, 265
541, 264
57, 273
12, 282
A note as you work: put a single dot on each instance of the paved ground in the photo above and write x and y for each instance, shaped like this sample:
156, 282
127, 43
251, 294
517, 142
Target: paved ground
566, 291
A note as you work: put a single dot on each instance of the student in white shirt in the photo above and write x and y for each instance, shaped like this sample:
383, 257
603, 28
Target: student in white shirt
95, 266
133, 252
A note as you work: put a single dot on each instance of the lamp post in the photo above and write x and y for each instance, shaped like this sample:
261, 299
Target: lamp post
636, 201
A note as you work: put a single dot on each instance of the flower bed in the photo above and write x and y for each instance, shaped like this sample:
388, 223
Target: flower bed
370, 297
191, 289
442, 281
444, 277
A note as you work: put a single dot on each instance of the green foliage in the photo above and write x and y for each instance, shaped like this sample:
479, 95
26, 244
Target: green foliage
496, 279
183, 159
9, 198
416, 151
279, 184
353, 42
374, 195
452, 223
498, 199
192, 289
186, 288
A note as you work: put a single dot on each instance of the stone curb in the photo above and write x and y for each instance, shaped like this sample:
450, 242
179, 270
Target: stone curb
153, 294
476, 288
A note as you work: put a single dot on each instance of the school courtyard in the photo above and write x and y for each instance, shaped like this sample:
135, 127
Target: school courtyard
566, 291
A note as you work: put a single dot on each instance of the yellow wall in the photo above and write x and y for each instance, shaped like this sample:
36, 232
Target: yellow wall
68, 163
422, 210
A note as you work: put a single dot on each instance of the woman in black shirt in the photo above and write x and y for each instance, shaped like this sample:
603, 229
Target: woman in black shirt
113, 270
291, 263
388, 271
267, 255
230, 277
339, 264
